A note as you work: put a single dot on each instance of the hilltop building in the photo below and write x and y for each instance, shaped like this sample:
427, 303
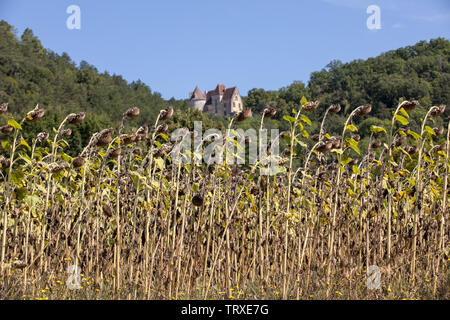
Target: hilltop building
220, 101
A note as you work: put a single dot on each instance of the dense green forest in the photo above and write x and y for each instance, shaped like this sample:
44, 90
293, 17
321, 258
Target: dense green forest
31, 74
420, 72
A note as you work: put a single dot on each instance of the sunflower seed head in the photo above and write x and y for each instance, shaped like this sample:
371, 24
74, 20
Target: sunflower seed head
411, 150
142, 130
324, 146
35, 115
6, 129
376, 144
243, 115
4, 162
437, 111
399, 140
270, 112
56, 168
132, 112
3, 108
311, 106
128, 138
104, 137
410, 105
324, 175
42, 136
76, 118
438, 130
112, 154
334, 108
162, 128
442, 147
363, 110
66, 132
78, 162
336, 142
166, 114
197, 200
315, 137
107, 210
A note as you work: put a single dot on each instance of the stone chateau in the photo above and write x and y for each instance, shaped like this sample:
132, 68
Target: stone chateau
220, 101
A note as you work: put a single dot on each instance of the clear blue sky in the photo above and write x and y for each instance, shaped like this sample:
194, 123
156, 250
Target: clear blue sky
172, 45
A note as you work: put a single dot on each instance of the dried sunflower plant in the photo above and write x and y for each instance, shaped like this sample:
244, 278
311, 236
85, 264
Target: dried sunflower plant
149, 214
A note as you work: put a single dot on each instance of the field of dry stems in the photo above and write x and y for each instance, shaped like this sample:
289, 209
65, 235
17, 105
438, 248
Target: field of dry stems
141, 227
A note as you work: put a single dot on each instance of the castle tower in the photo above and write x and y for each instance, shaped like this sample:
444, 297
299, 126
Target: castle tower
197, 99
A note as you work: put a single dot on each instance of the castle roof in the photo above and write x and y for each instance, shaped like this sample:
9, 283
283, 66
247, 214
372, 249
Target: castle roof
219, 90
229, 93
197, 94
